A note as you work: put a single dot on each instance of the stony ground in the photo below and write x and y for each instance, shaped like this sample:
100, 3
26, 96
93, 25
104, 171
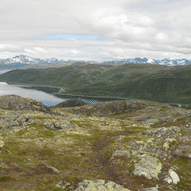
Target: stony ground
119, 145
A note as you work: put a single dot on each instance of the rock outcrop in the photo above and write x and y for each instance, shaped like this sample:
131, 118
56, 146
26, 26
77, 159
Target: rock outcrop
71, 103
149, 167
120, 145
108, 108
14, 102
99, 185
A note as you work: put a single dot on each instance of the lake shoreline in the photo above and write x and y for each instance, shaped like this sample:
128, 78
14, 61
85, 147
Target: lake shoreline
33, 85
60, 94
63, 94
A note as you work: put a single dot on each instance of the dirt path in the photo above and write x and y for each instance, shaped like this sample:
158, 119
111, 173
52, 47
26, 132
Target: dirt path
110, 170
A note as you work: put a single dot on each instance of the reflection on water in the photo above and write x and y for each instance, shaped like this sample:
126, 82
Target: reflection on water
54, 91
45, 98
49, 96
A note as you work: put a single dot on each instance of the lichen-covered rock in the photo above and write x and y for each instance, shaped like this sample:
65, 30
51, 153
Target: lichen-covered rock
63, 125
168, 179
99, 185
14, 102
141, 147
163, 132
185, 113
174, 176
48, 125
149, 167
13, 123
143, 118
22, 119
125, 153
62, 184
151, 189
1, 143
109, 108
137, 145
181, 150
54, 169
188, 155
47, 169
4, 122
186, 128
151, 121
187, 120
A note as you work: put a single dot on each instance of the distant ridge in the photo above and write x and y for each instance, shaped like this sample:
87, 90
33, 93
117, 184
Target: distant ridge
29, 62
26, 62
166, 61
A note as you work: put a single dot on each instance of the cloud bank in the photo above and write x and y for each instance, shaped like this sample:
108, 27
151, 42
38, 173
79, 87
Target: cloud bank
96, 30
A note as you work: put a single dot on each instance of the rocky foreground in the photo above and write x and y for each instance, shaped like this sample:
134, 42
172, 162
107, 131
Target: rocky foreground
118, 145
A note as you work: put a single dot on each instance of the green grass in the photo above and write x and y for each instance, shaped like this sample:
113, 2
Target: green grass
160, 143
5, 178
184, 165
173, 143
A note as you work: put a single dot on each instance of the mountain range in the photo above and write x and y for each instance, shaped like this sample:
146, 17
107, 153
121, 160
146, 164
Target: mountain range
23, 60
166, 61
26, 62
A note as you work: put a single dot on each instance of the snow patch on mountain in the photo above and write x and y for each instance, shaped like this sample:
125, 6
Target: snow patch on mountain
23, 60
166, 61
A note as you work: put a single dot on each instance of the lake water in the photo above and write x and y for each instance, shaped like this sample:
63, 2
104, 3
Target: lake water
55, 92
45, 98
47, 95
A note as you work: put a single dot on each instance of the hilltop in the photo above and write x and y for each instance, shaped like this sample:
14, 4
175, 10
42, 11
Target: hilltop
165, 84
120, 145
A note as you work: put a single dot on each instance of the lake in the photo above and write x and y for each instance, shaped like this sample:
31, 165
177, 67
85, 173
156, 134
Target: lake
54, 91
49, 96
45, 98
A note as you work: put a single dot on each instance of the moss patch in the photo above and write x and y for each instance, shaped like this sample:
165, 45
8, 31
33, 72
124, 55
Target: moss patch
5, 178
173, 143
160, 143
184, 168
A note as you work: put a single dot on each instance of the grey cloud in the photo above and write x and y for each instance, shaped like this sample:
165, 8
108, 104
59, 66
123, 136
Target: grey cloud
131, 28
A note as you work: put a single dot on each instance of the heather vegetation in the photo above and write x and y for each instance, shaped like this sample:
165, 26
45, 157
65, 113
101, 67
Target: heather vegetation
119, 145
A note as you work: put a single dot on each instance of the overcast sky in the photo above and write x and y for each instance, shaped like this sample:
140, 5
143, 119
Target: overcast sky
95, 29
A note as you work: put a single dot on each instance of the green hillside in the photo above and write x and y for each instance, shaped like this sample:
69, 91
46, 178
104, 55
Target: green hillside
138, 81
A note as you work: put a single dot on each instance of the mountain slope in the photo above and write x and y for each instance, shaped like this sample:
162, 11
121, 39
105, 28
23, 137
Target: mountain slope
136, 81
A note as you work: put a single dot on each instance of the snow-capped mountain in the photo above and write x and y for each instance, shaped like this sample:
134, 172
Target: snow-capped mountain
166, 61
27, 61
22, 60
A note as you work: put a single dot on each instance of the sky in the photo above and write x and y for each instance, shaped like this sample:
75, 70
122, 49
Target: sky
95, 30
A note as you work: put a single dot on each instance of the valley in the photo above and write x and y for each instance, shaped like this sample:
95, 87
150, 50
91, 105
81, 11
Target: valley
164, 84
